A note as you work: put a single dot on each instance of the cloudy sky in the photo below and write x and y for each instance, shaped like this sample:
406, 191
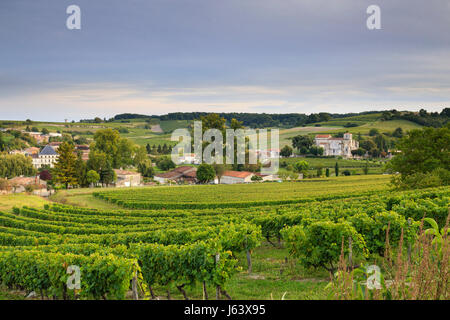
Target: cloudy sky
274, 56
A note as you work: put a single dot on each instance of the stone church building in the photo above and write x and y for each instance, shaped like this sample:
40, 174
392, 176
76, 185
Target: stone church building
337, 146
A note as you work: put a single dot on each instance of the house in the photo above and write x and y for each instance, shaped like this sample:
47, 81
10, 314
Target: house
127, 178
20, 184
337, 146
178, 175
55, 145
40, 138
267, 177
232, 177
84, 149
30, 151
268, 154
188, 158
47, 157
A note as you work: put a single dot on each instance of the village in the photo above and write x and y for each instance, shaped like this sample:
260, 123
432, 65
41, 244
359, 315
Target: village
45, 155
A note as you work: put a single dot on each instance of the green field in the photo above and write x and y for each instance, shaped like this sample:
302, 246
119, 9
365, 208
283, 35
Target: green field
245, 195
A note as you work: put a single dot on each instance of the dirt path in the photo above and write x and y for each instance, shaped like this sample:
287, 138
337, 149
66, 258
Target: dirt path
157, 128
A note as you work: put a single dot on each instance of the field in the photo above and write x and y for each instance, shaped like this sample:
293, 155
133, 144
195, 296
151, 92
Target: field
172, 251
233, 195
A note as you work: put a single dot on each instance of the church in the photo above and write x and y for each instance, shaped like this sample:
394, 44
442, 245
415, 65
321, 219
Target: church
337, 146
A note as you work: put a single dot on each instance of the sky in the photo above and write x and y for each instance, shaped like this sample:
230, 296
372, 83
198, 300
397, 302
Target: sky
274, 56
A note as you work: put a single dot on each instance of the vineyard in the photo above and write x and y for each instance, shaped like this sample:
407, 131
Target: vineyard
185, 239
242, 196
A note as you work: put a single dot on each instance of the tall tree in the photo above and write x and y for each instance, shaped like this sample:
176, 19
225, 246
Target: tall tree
302, 143
65, 166
423, 152
336, 169
205, 173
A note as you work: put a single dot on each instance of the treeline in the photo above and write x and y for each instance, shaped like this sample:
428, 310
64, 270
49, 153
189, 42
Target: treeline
253, 120
424, 118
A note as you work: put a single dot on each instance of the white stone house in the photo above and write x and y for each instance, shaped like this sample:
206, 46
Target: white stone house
47, 157
337, 146
127, 178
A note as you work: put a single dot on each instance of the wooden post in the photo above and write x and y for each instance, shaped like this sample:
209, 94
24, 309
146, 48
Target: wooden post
350, 252
134, 287
249, 261
409, 242
205, 292
218, 287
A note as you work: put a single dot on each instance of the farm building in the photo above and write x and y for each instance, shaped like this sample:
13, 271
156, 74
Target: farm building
127, 178
232, 177
180, 174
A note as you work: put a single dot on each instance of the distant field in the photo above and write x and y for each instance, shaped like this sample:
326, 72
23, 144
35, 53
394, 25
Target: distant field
382, 126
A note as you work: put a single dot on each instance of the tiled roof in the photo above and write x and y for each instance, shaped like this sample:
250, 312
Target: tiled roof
125, 172
237, 174
323, 136
184, 169
48, 151
169, 175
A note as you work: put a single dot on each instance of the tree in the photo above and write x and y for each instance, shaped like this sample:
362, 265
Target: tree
213, 121
146, 169
2, 143
45, 175
301, 167
368, 145
140, 155
235, 124
165, 163
256, 178
119, 151
366, 168
14, 165
205, 173
424, 156
92, 177
374, 132
81, 171
302, 141
65, 166
45, 131
327, 172
107, 174
358, 152
219, 169
336, 169
316, 150
97, 160
398, 133
148, 148
319, 171
286, 151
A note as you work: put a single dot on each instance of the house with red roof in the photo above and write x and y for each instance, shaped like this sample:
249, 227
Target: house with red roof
232, 177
